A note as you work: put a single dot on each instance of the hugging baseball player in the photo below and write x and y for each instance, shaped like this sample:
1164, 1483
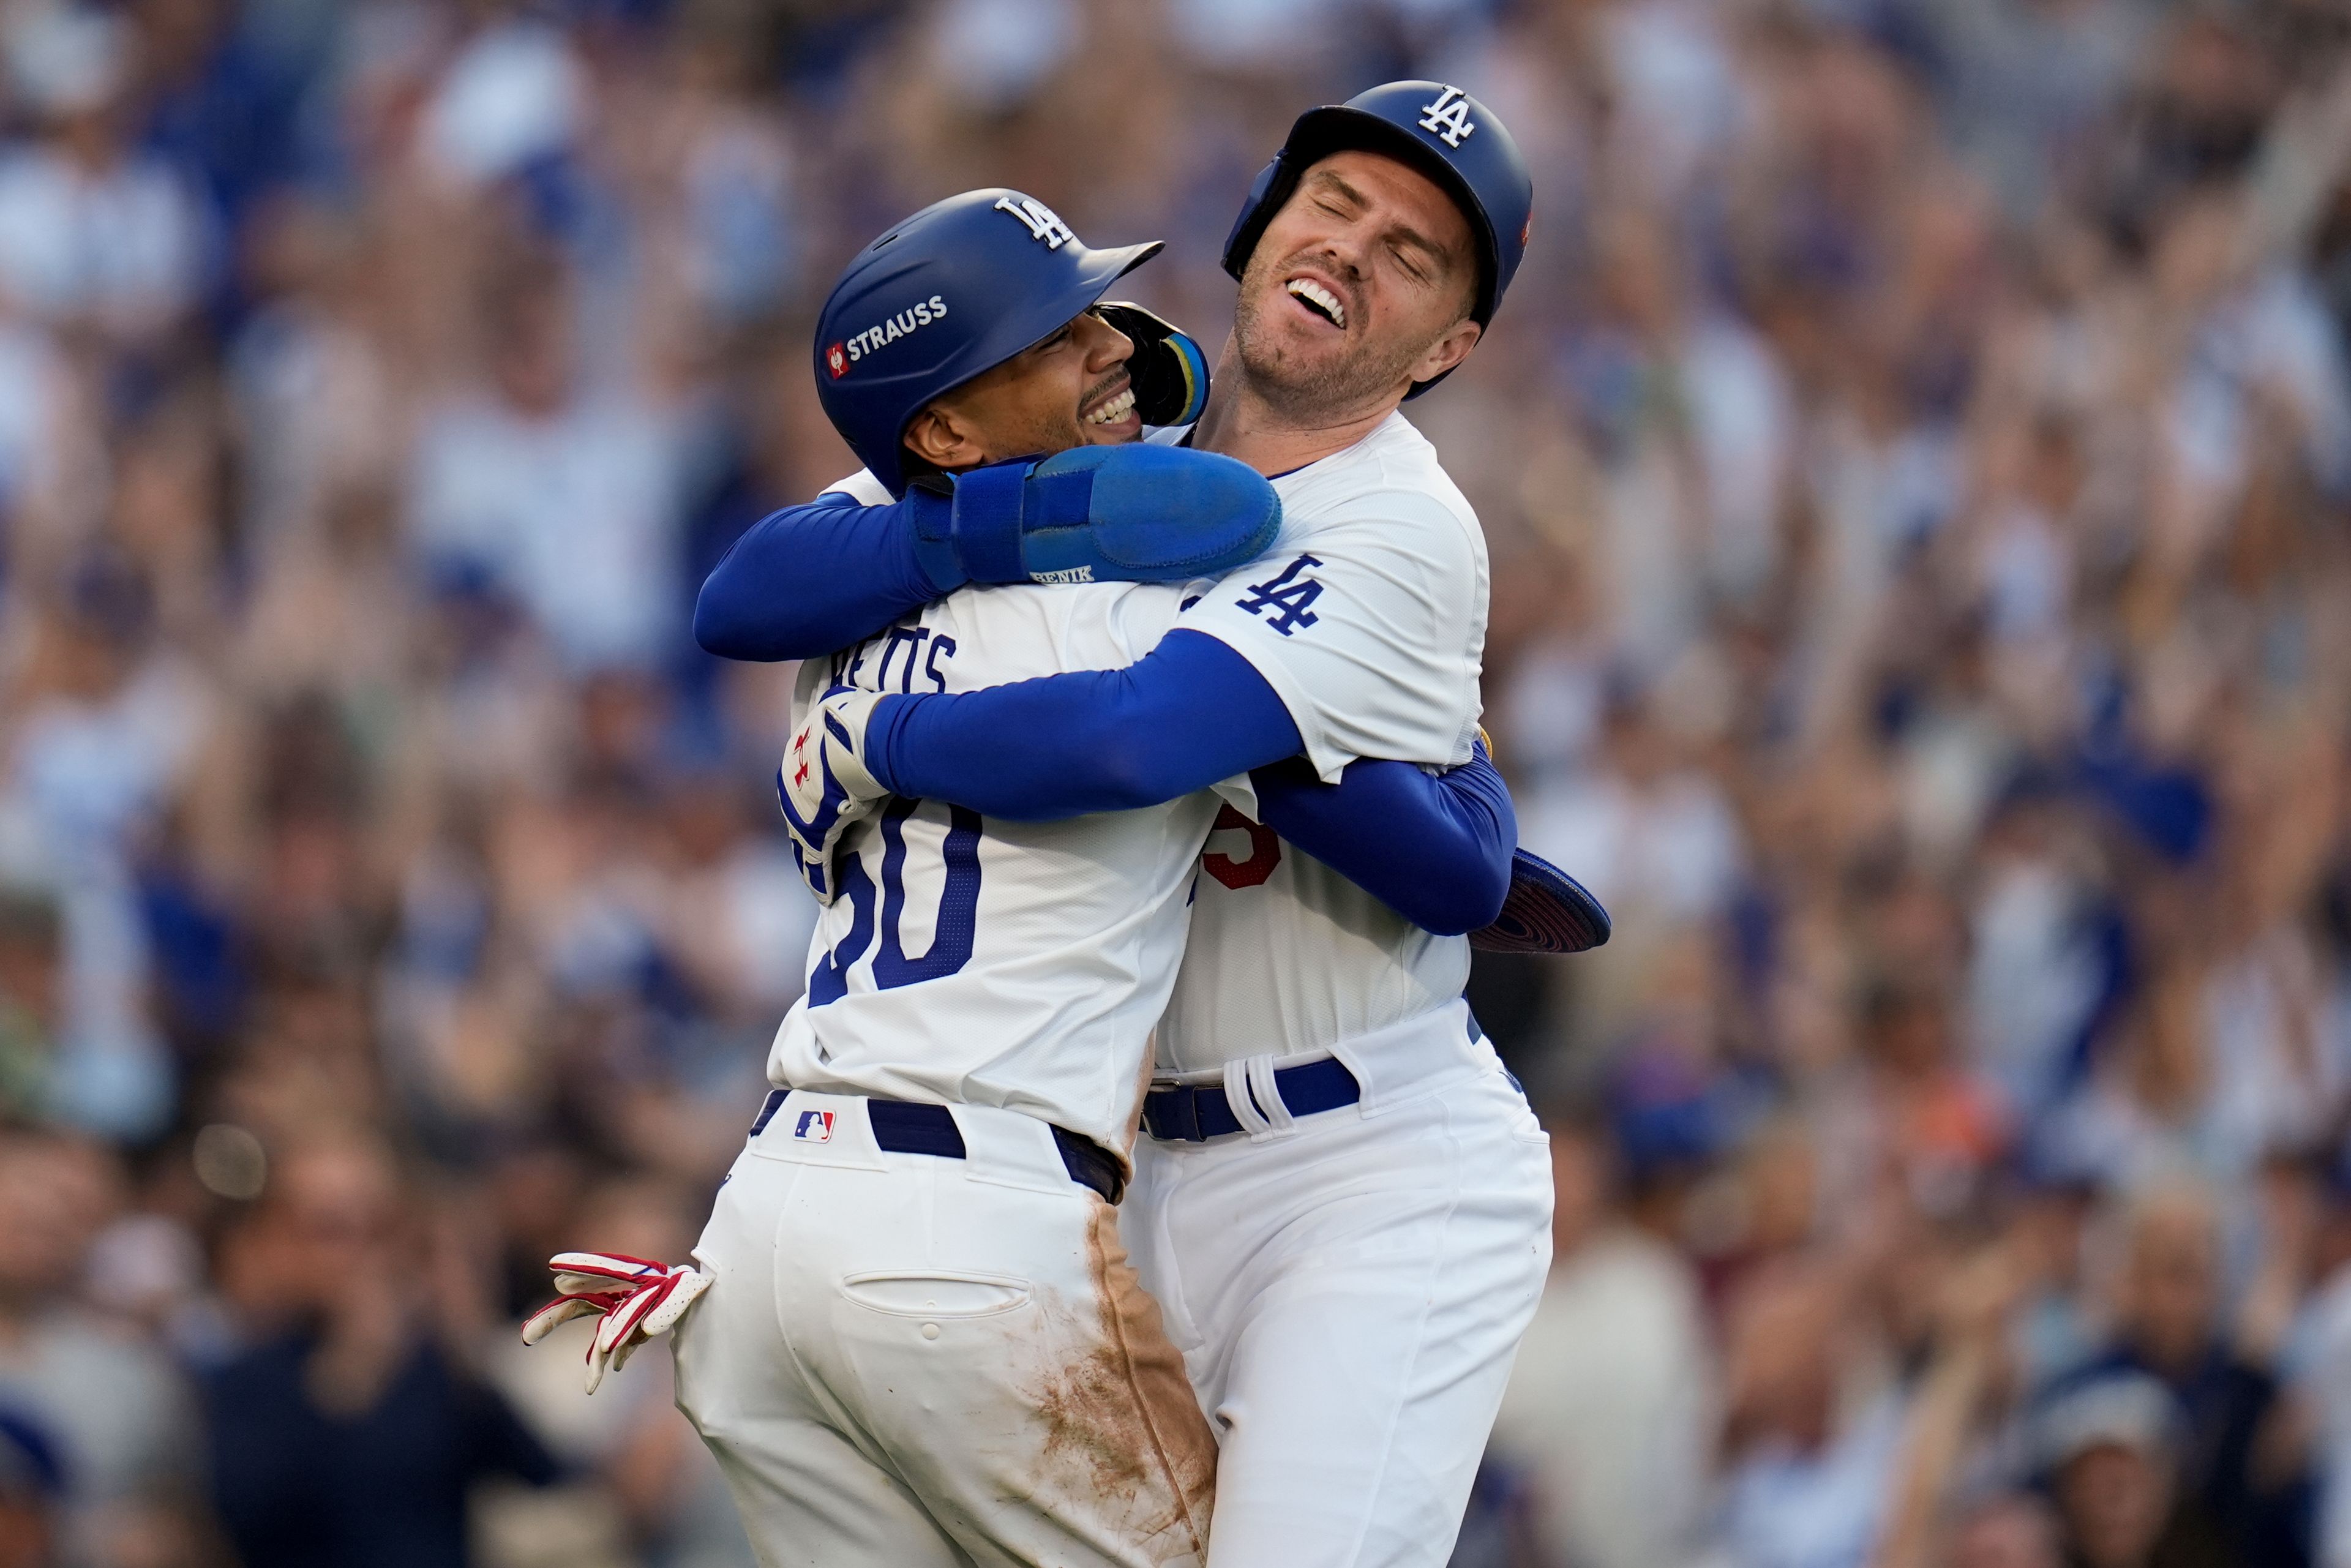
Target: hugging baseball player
919, 1339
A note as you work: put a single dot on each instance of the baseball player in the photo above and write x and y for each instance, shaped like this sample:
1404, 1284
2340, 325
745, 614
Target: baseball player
917, 1337
1343, 1206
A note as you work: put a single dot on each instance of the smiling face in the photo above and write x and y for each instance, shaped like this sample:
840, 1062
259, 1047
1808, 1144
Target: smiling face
1361, 286
1071, 390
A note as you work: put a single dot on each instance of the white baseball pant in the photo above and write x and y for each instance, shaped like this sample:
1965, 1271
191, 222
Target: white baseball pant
910, 1361
1348, 1293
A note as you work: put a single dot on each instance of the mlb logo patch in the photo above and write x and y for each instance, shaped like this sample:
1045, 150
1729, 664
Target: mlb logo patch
836, 359
815, 1127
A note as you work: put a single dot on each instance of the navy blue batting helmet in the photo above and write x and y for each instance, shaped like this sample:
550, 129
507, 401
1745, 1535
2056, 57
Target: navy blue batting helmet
1438, 130
956, 290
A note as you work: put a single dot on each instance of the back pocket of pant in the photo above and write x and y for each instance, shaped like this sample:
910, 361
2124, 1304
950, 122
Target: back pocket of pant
936, 1292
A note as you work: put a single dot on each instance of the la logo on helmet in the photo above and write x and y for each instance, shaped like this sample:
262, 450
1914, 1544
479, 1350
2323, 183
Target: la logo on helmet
1043, 223
1447, 119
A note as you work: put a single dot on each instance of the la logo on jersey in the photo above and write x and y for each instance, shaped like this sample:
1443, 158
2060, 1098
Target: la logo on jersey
815, 1127
1043, 223
1290, 597
1447, 119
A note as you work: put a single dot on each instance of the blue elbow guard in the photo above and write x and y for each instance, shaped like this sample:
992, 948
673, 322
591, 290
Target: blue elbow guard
1094, 514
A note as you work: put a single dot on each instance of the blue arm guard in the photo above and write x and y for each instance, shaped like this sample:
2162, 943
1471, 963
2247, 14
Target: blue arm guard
1187, 714
1434, 848
808, 579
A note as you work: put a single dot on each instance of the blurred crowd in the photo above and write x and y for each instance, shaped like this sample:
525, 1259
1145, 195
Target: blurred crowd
1915, 459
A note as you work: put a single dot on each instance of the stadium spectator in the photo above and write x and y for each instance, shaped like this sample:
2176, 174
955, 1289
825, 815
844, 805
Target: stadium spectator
348, 1427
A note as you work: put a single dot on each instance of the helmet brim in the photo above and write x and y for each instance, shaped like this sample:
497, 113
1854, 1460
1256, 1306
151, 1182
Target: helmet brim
1020, 330
1096, 273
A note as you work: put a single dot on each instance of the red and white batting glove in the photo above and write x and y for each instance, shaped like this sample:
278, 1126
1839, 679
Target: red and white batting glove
824, 785
640, 1300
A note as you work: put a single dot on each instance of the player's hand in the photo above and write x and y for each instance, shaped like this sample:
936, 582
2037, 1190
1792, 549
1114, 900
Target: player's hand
640, 1300
1135, 513
1171, 373
824, 786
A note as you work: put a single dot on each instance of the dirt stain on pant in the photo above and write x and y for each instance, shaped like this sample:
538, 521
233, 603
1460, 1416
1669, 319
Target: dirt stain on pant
1121, 1423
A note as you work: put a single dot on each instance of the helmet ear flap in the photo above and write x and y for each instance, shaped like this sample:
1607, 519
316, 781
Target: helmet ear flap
1266, 192
1169, 371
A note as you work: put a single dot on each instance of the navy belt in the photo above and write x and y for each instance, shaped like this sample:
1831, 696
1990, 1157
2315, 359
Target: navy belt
909, 1127
1194, 1116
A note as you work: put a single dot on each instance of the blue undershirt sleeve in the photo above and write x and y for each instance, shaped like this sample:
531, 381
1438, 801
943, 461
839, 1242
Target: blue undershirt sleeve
1189, 713
808, 579
1434, 848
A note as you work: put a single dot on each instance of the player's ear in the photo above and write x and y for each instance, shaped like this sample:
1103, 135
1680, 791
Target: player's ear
941, 439
1447, 350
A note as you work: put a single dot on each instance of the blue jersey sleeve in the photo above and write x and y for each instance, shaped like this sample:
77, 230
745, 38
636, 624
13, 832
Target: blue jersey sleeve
810, 579
1189, 713
1434, 848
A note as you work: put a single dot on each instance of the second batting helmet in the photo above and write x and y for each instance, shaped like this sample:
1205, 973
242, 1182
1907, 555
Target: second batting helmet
1438, 130
956, 290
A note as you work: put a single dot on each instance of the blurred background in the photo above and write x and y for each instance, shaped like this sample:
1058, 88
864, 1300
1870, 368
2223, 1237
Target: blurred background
1916, 459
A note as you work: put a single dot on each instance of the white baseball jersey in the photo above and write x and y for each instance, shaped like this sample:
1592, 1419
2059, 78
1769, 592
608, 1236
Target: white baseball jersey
1368, 619
1019, 965
1347, 1288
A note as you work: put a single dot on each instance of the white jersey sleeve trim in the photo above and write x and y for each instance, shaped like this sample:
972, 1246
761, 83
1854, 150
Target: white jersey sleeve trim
1327, 760
862, 488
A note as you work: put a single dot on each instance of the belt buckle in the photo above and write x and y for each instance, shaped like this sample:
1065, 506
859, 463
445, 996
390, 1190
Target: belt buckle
1166, 1122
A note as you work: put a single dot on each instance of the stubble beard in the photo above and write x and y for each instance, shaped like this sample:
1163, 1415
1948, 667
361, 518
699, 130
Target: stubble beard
1062, 428
1320, 391
1042, 435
